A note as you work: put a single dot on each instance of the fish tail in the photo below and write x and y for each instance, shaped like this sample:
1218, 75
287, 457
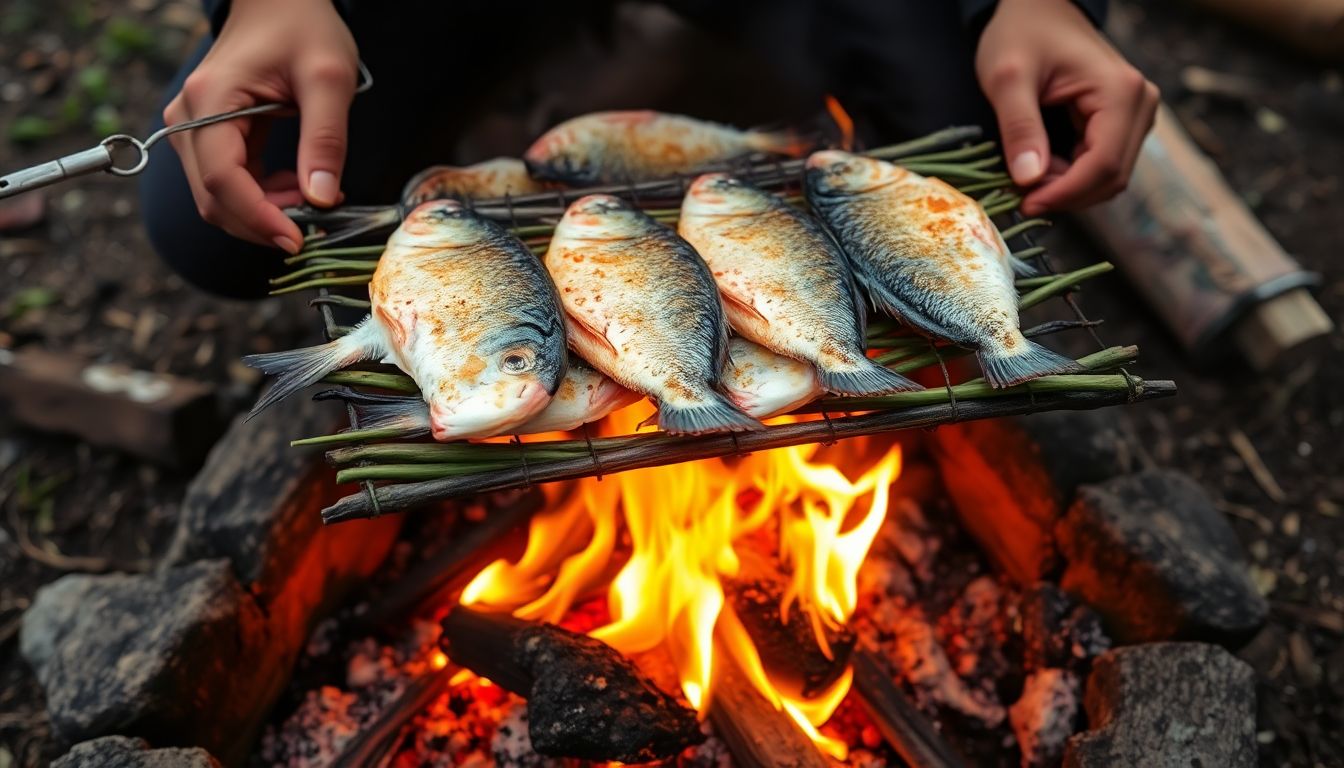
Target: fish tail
1026, 360
713, 414
297, 368
865, 378
786, 141
409, 414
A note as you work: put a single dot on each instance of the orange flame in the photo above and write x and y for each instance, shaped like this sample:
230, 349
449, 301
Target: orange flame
842, 121
688, 527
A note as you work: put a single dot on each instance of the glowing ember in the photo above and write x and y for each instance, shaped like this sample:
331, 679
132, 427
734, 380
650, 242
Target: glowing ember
690, 526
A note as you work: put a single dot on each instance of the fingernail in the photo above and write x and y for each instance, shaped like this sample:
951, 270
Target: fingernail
1025, 168
285, 244
323, 187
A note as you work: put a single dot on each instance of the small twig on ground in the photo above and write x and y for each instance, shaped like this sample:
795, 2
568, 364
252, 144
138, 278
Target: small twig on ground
1263, 477
53, 558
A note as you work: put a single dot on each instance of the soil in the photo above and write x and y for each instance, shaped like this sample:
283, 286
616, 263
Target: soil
85, 282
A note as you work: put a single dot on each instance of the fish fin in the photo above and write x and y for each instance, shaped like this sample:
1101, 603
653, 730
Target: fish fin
393, 325
787, 142
297, 368
714, 414
1027, 360
1022, 268
742, 305
889, 303
865, 379
599, 338
407, 413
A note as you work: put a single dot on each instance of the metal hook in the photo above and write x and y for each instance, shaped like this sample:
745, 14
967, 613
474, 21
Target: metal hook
101, 157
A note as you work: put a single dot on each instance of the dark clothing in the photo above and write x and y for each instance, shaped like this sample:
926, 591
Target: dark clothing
902, 69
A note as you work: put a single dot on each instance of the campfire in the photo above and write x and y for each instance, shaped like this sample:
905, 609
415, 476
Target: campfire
669, 548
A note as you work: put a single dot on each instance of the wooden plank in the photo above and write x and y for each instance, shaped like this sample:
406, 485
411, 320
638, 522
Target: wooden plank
159, 417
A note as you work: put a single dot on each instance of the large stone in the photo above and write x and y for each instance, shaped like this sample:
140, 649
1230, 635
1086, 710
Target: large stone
179, 657
1011, 479
1157, 560
1167, 705
122, 752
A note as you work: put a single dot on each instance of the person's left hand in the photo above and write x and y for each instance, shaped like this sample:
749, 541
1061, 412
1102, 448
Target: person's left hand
1046, 52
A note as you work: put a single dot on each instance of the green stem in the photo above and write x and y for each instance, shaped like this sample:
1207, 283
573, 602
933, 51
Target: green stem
1027, 253
390, 381
949, 171
327, 266
321, 283
351, 436
975, 150
1062, 284
319, 253
343, 301
1023, 226
981, 186
934, 140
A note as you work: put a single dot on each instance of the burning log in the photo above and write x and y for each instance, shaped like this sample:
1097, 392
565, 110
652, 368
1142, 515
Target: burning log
584, 699
758, 735
789, 650
903, 726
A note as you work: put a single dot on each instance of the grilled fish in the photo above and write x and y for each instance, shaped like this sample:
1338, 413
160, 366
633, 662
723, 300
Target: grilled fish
584, 396
641, 306
764, 384
466, 310
609, 147
784, 282
928, 255
481, 181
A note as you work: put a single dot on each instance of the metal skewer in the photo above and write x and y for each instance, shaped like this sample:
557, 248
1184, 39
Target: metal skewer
103, 156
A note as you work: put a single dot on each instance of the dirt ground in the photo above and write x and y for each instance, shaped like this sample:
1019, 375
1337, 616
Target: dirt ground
85, 282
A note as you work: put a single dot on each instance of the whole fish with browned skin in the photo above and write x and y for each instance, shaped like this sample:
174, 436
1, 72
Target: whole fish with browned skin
929, 255
584, 396
611, 147
641, 306
785, 284
760, 382
763, 383
480, 181
466, 310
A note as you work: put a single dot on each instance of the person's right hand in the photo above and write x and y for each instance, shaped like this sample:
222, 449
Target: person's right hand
296, 51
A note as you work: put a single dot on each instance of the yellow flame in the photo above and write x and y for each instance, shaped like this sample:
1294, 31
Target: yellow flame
688, 526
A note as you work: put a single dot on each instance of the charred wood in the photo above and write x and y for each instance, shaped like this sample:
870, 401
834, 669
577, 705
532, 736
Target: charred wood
789, 650
758, 735
585, 700
908, 732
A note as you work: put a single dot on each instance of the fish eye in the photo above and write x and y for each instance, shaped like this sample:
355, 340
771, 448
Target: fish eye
517, 361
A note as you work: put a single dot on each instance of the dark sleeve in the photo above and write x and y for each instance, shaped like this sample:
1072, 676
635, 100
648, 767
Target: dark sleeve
218, 10
975, 13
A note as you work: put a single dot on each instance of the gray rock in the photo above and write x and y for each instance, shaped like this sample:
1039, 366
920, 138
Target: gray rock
1157, 560
1012, 479
246, 501
182, 656
121, 752
1167, 705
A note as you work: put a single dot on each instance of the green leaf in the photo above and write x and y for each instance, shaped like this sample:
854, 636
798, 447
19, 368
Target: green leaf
124, 37
105, 120
30, 129
95, 82
29, 299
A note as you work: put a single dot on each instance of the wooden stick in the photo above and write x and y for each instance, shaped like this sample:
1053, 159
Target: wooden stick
373, 741
662, 449
584, 699
758, 735
902, 725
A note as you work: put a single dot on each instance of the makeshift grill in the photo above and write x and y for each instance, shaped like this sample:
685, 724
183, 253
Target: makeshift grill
414, 473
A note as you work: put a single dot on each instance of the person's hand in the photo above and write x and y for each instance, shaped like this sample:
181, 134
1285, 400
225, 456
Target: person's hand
297, 51
1046, 52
